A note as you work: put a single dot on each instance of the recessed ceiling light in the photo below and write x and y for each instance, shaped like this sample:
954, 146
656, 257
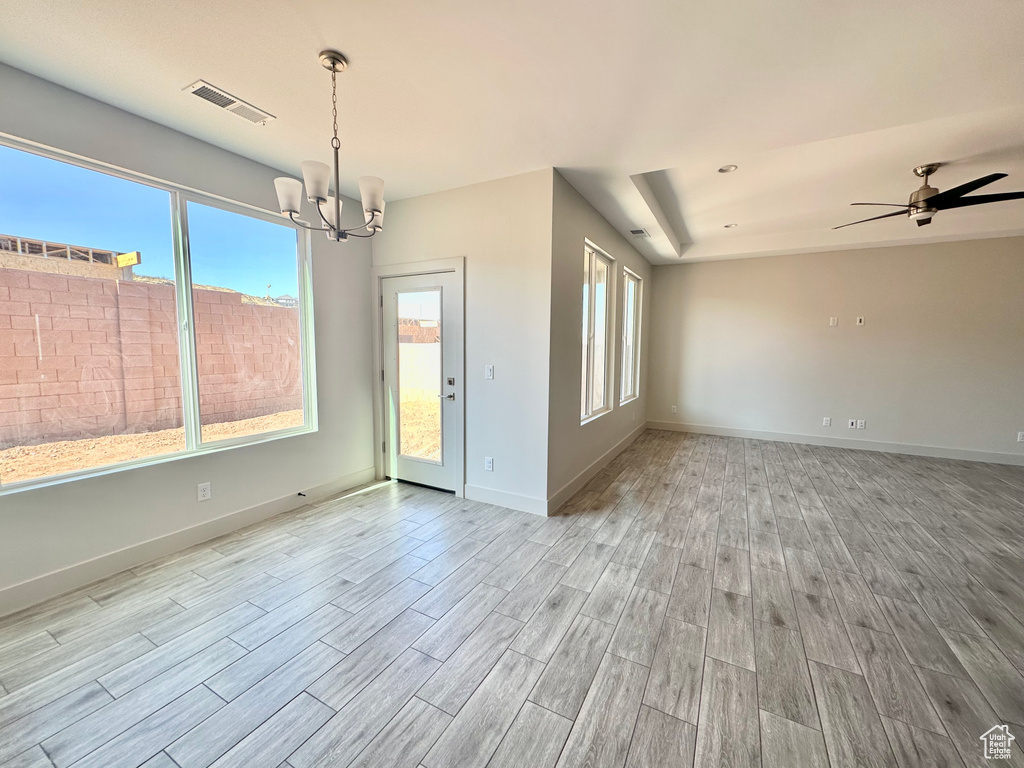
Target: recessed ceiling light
730, 226
728, 168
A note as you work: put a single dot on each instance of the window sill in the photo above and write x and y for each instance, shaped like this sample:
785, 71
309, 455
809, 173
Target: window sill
628, 400
595, 416
20, 486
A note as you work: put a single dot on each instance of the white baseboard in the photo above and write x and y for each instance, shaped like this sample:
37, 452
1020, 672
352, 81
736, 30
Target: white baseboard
529, 504
27, 593
910, 449
566, 492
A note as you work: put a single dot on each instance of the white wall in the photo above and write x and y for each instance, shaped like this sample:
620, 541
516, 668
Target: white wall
503, 230
57, 537
744, 347
574, 450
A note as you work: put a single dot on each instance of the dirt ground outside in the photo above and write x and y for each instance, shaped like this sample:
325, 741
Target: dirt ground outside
420, 436
420, 432
48, 459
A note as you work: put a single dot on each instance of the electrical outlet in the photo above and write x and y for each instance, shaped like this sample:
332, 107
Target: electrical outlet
860, 321
488, 464
488, 372
1020, 437
673, 409
861, 424
827, 421
204, 492
833, 321
851, 424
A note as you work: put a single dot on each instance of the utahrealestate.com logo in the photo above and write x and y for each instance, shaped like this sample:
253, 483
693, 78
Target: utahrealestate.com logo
998, 740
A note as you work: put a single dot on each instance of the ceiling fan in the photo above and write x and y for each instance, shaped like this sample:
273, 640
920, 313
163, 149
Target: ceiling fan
927, 201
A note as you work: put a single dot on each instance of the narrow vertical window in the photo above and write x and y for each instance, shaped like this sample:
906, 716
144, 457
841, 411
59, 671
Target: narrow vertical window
598, 351
585, 375
629, 385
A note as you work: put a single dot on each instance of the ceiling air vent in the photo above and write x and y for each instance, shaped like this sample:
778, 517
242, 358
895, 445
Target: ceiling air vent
639, 233
225, 100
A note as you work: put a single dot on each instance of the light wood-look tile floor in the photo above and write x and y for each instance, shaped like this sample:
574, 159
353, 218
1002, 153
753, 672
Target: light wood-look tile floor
703, 601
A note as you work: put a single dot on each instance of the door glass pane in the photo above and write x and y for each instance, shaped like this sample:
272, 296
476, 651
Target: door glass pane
248, 341
419, 374
598, 366
89, 372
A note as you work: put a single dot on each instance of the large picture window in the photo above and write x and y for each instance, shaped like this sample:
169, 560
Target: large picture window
629, 384
116, 348
595, 394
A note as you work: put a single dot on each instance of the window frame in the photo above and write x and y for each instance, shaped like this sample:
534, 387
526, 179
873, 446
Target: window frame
628, 276
179, 197
593, 254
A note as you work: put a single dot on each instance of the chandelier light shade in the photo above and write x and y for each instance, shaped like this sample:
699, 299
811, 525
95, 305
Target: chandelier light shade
371, 192
289, 194
317, 179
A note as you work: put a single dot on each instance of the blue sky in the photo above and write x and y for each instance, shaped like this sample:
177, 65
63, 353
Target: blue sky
237, 252
420, 305
49, 200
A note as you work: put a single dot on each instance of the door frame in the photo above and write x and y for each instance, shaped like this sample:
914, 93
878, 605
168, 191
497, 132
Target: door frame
456, 336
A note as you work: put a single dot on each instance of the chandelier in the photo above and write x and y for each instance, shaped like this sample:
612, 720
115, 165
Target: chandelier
317, 178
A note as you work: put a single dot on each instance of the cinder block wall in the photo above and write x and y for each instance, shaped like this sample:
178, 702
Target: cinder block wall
249, 357
86, 357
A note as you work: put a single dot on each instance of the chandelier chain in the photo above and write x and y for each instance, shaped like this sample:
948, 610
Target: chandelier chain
335, 142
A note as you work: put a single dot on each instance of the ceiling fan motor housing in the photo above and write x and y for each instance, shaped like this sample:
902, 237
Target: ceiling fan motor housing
919, 208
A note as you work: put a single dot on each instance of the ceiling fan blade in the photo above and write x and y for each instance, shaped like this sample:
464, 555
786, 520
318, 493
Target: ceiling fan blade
963, 202
891, 205
873, 218
922, 222
938, 201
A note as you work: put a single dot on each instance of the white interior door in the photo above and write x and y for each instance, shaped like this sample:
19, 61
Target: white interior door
421, 324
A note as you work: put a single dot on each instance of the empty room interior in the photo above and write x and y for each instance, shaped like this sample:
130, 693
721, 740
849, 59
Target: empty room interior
511, 385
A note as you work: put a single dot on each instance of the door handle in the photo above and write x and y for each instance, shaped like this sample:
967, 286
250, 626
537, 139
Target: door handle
448, 397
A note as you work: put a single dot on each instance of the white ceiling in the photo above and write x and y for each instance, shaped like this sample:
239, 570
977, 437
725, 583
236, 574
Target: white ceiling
820, 104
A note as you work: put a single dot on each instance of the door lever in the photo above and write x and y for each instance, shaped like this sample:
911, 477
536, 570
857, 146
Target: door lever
448, 397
